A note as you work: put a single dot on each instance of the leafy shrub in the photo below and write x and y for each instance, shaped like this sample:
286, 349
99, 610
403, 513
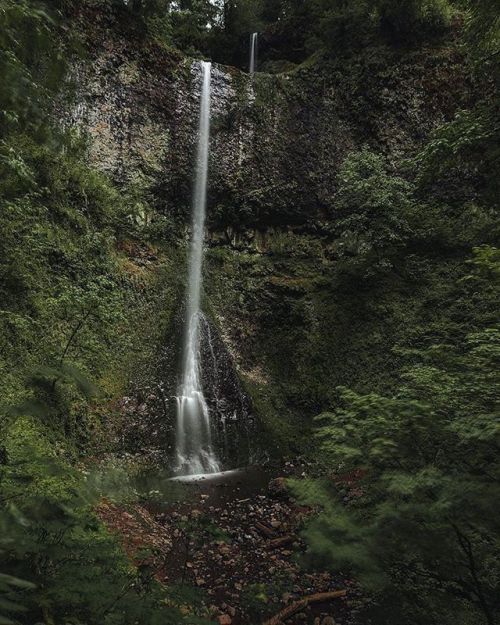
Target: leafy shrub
468, 143
341, 26
61, 564
420, 519
483, 27
371, 208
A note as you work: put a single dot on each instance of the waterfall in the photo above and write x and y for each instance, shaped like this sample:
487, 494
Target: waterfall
253, 51
194, 433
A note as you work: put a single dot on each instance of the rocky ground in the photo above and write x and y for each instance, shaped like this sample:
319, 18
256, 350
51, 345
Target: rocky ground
236, 539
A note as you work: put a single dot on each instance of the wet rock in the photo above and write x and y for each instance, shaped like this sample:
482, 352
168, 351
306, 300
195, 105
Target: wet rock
223, 568
225, 619
278, 487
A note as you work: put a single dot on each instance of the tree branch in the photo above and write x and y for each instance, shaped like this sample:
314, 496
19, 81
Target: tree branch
302, 603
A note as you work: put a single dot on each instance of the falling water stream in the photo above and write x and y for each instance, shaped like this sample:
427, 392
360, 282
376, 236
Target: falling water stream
194, 449
253, 52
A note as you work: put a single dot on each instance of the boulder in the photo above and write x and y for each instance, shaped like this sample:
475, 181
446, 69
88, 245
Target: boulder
278, 487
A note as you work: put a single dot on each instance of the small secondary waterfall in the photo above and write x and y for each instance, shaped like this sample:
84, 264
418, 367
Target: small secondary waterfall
194, 433
253, 52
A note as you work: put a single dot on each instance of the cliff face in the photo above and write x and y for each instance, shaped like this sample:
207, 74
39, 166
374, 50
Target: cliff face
277, 140
276, 146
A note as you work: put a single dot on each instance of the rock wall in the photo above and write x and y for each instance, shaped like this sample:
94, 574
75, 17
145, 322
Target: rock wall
277, 142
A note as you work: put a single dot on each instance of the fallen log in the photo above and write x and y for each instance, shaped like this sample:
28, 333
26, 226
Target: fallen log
290, 610
263, 529
282, 541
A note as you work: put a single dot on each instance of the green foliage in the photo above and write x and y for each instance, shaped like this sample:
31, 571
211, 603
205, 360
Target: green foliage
74, 570
255, 600
484, 27
190, 23
469, 142
259, 600
185, 24
11, 589
294, 30
26, 46
422, 518
73, 308
342, 25
66, 301
57, 269
371, 209
230, 35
